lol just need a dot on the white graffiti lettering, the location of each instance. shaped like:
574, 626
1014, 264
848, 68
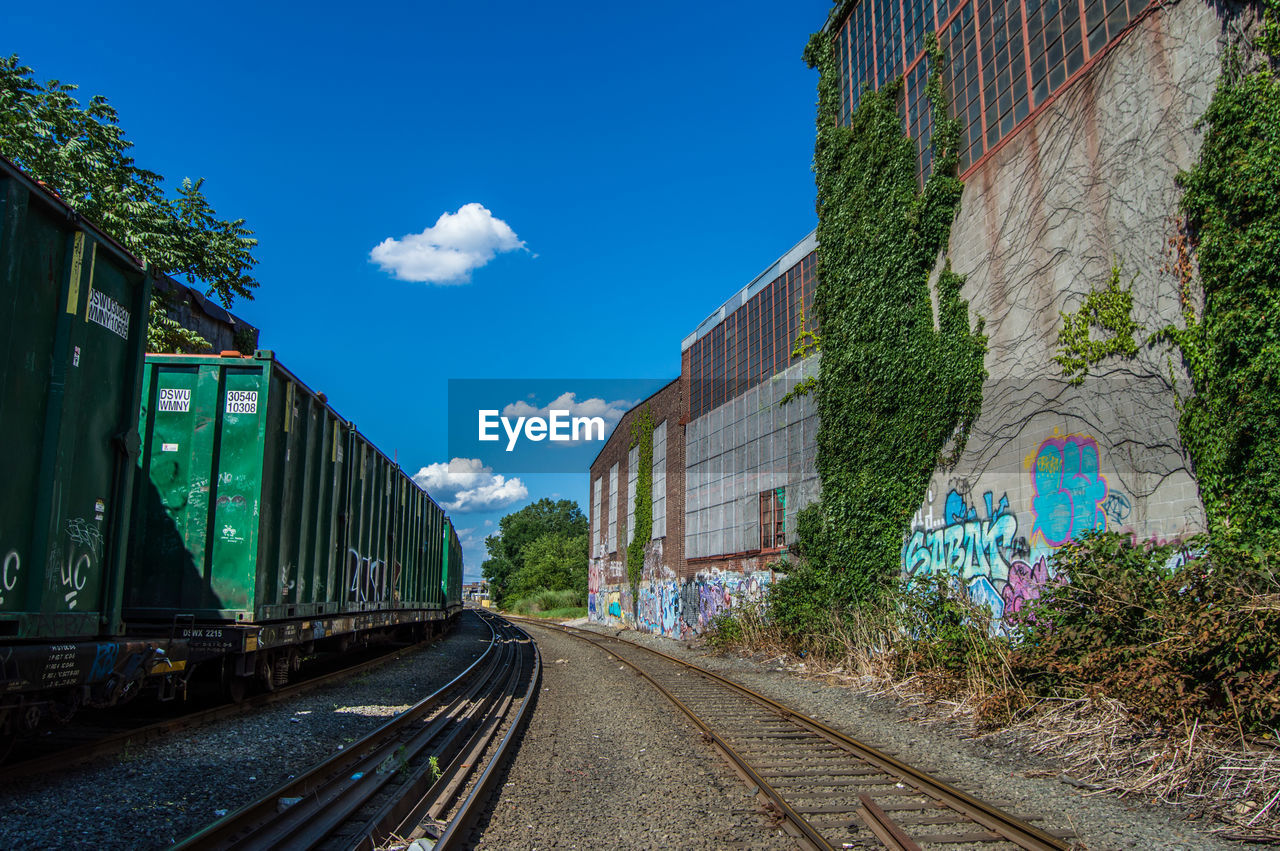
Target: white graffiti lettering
368, 578
9, 575
74, 576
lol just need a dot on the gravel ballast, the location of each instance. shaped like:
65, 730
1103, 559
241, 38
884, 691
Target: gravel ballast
607, 762
158, 793
997, 772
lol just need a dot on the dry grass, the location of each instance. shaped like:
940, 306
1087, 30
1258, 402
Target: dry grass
1098, 745
1212, 771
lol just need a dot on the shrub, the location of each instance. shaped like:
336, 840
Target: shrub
725, 630
1191, 628
799, 605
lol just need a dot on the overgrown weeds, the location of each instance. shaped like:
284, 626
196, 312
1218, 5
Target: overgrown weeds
568, 603
1151, 670
1192, 630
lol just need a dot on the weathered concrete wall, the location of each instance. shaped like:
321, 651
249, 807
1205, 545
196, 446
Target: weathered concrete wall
1089, 183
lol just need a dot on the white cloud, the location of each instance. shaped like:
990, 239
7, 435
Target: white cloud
449, 251
466, 484
610, 412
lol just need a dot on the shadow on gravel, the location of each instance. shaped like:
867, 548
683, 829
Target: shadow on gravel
502, 772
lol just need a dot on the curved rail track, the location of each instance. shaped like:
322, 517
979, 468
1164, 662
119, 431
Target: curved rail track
827, 789
416, 776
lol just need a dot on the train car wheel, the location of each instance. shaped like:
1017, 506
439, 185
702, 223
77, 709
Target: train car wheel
238, 689
266, 671
63, 709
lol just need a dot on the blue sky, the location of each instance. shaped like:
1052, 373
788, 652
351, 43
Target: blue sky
611, 173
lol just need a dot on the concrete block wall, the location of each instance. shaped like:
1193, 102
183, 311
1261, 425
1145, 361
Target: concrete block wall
1089, 183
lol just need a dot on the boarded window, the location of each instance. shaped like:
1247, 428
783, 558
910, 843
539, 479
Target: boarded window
772, 510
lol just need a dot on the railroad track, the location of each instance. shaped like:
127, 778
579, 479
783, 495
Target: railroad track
828, 790
89, 741
426, 773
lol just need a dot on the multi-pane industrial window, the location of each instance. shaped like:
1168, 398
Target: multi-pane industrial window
999, 67
633, 470
660, 480
758, 337
611, 546
773, 533
597, 503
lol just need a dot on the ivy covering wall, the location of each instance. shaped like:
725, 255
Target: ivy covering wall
896, 393
642, 439
1231, 427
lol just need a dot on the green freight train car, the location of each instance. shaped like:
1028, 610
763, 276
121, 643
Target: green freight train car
73, 309
451, 581
265, 524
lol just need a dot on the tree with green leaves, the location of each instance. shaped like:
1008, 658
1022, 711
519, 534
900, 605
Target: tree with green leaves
518, 530
552, 562
81, 153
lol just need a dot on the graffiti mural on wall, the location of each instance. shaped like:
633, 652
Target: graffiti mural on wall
1024, 584
658, 607
1069, 489
719, 591
985, 555
595, 572
964, 546
605, 603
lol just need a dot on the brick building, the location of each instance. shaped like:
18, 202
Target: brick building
614, 474
738, 463
750, 456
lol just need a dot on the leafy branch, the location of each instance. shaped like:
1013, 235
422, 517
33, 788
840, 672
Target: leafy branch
81, 153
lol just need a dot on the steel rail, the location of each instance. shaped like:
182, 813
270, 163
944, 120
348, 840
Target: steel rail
890, 834
986, 815
228, 830
429, 797
800, 826
334, 804
330, 805
470, 809
116, 742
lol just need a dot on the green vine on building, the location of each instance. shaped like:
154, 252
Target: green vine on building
1231, 426
808, 341
894, 391
642, 438
1110, 311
